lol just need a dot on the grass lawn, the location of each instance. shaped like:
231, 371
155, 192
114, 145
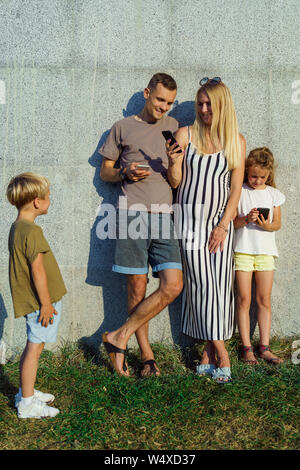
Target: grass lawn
175, 411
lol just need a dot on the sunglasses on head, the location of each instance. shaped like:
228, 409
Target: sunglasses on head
210, 81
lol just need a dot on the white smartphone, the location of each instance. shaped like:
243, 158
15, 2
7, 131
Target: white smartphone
143, 165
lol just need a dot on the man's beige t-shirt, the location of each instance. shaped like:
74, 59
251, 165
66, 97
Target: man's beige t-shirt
133, 140
26, 241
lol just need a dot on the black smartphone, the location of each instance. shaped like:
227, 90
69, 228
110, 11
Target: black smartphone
169, 136
264, 211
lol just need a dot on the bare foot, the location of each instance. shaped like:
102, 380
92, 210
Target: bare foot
209, 356
248, 356
224, 360
266, 354
149, 369
118, 359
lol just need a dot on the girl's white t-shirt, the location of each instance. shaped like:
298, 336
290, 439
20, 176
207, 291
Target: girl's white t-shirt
251, 238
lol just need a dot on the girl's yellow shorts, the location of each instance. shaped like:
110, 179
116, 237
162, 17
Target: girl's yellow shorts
245, 262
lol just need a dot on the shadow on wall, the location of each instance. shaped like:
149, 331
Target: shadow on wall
3, 316
6, 388
99, 273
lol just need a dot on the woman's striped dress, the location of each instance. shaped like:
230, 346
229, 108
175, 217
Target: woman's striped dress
208, 302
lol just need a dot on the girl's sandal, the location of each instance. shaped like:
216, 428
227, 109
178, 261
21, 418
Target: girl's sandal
271, 360
251, 362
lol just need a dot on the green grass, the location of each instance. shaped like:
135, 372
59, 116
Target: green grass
177, 410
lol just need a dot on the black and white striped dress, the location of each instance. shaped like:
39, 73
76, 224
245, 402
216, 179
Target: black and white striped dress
208, 302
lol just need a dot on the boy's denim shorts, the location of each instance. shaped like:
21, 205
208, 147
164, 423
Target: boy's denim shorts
36, 333
142, 239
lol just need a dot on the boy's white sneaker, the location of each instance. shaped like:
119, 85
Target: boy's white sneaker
36, 409
44, 397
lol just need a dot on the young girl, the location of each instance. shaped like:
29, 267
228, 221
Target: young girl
255, 249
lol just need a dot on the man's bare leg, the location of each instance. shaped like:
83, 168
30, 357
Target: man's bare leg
169, 288
137, 286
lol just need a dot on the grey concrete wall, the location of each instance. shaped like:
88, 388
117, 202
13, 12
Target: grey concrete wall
69, 69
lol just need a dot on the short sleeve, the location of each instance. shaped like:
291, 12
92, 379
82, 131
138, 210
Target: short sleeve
112, 147
35, 244
279, 198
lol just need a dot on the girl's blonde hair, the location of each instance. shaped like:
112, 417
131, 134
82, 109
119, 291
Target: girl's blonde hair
224, 127
262, 157
25, 187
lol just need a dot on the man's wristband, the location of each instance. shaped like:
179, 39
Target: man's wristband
122, 174
246, 220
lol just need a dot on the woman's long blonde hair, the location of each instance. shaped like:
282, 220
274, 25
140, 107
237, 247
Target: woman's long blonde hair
224, 127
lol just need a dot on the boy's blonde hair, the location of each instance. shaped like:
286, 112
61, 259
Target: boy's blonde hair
224, 125
263, 157
25, 187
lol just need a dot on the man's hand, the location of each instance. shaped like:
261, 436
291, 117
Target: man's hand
47, 313
133, 173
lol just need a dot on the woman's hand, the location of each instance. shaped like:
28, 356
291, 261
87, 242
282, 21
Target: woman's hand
174, 152
217, 239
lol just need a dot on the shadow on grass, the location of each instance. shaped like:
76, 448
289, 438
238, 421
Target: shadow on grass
7, 389
98, 356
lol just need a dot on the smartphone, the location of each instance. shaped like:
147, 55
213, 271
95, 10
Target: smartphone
264, 211
143, 166
169, 136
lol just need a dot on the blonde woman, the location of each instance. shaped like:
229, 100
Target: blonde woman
208, 169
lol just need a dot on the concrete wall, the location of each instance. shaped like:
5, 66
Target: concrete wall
70, 68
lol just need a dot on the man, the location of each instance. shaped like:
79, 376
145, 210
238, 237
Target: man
138, 140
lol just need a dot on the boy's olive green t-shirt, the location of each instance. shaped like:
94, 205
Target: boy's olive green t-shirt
26, 241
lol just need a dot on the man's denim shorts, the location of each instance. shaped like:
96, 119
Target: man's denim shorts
145, 238
36, 333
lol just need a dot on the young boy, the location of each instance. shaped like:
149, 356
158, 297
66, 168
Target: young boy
36, 287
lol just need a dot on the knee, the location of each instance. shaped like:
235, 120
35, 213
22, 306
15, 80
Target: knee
34, 350
263, 301
171, 290
244, 302
137, 290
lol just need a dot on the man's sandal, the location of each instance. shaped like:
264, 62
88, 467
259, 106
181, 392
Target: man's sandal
112, 350
251, 362
271, 360
153, 370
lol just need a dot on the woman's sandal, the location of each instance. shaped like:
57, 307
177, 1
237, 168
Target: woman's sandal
204, 370
112, 350
153, 370
222, 375
252, 362
271, 360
